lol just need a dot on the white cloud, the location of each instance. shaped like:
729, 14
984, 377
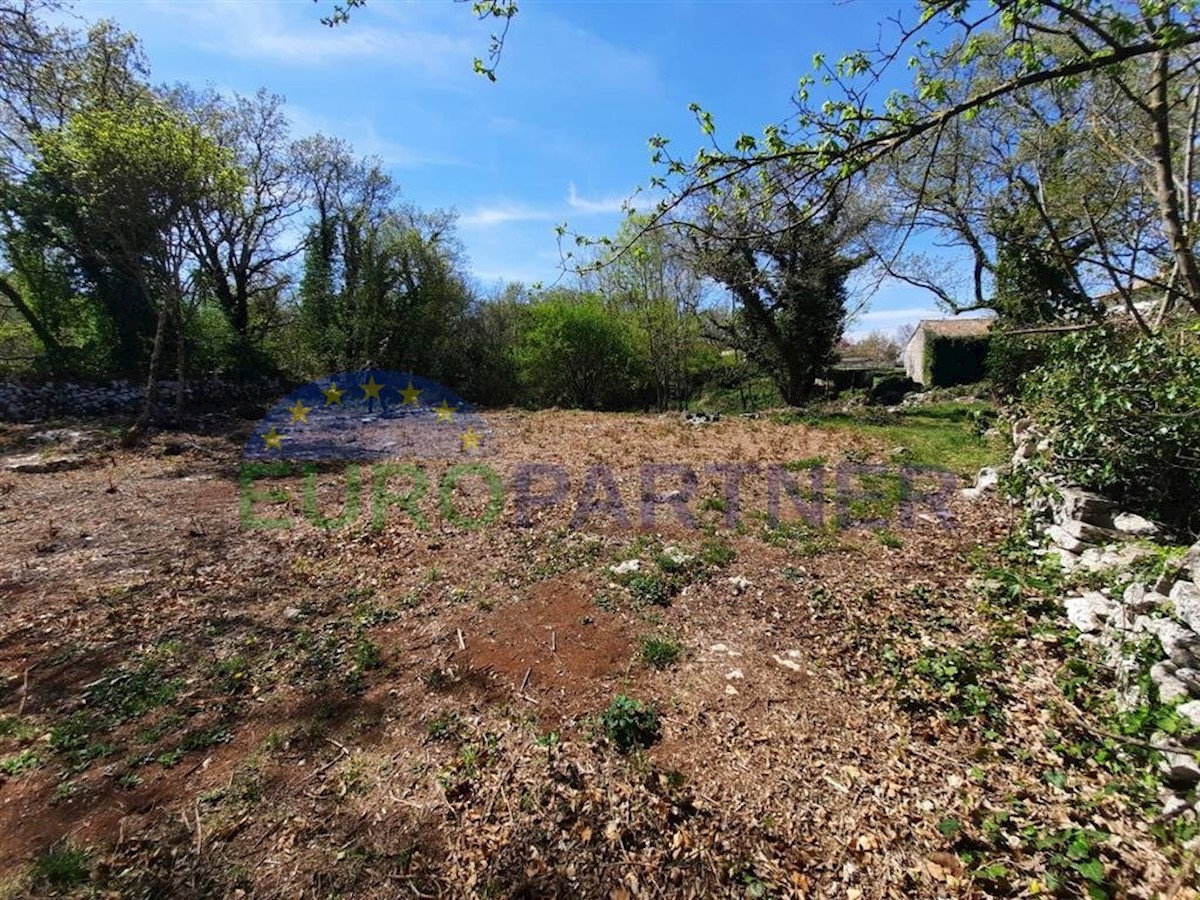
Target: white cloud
271, 32
488, 216
590, 207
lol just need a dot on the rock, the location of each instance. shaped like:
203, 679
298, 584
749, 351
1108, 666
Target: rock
1185, 601
1179, 768
1067, 559
1190, 678
1181, 645
1020, 430
677, 556
1163, 584
1174, 805
1090, 534
1191, 562
1170, 686
1098, 559
1076, 503
1134, 525
36, 464
1190, 711
291, 612
985, 481
1060, 537
625, 568
1088, 612
1134, 596
740, 583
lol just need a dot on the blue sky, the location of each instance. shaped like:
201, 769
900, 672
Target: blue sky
561, 137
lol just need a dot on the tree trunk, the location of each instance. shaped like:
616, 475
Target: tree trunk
1164, 177
149, 405
39, 327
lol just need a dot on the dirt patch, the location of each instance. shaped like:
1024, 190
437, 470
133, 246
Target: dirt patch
556, 647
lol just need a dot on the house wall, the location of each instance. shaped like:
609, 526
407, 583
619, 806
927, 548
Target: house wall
914, 356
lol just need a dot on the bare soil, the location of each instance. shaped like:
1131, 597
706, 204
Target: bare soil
217, 710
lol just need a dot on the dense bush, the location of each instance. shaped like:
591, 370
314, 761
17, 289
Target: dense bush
1123, 412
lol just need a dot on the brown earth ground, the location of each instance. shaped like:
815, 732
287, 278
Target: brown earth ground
214, 710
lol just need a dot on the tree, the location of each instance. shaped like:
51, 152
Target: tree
239, 245
788, 278
985, 60
381, 282
574, 352
876, 347
120, 185
655, 289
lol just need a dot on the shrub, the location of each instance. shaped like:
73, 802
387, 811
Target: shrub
629, 723
1122, 417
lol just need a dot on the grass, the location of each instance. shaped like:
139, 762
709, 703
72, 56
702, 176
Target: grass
63, 866
936, 436
660, 650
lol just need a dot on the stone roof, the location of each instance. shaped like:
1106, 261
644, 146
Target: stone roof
956, 327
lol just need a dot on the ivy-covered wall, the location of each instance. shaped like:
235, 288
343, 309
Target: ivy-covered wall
954, 360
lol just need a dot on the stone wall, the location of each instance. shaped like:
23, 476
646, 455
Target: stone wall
27, 402
1087, 533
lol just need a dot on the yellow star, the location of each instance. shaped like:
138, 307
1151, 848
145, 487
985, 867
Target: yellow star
300, 413
333, 397
411, 395
444, 412
371, 389
273, 439
470, 439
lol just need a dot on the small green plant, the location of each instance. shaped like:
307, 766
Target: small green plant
62, 866
629, 723
367, 655
716, 552
652, 590
13, 727
445, 727
889, 539
24, 761
660, 650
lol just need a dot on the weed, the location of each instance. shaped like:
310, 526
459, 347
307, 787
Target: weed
660, 650
649, 589
13, 727
889, 539
62, 866
24, 761
717, 553
445, 727
367, 655
629, 723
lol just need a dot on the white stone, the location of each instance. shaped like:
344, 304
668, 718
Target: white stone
1087, 612
1090, 534
630, 565
1060, 537
1190, 711
1135, 525
1134, 596
1170, 688
676, 555
1179, 768
1099, 559
1191, 562
1181, 645
1085, 506
740, 583
1190, 678
1185, 601
1174, 805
